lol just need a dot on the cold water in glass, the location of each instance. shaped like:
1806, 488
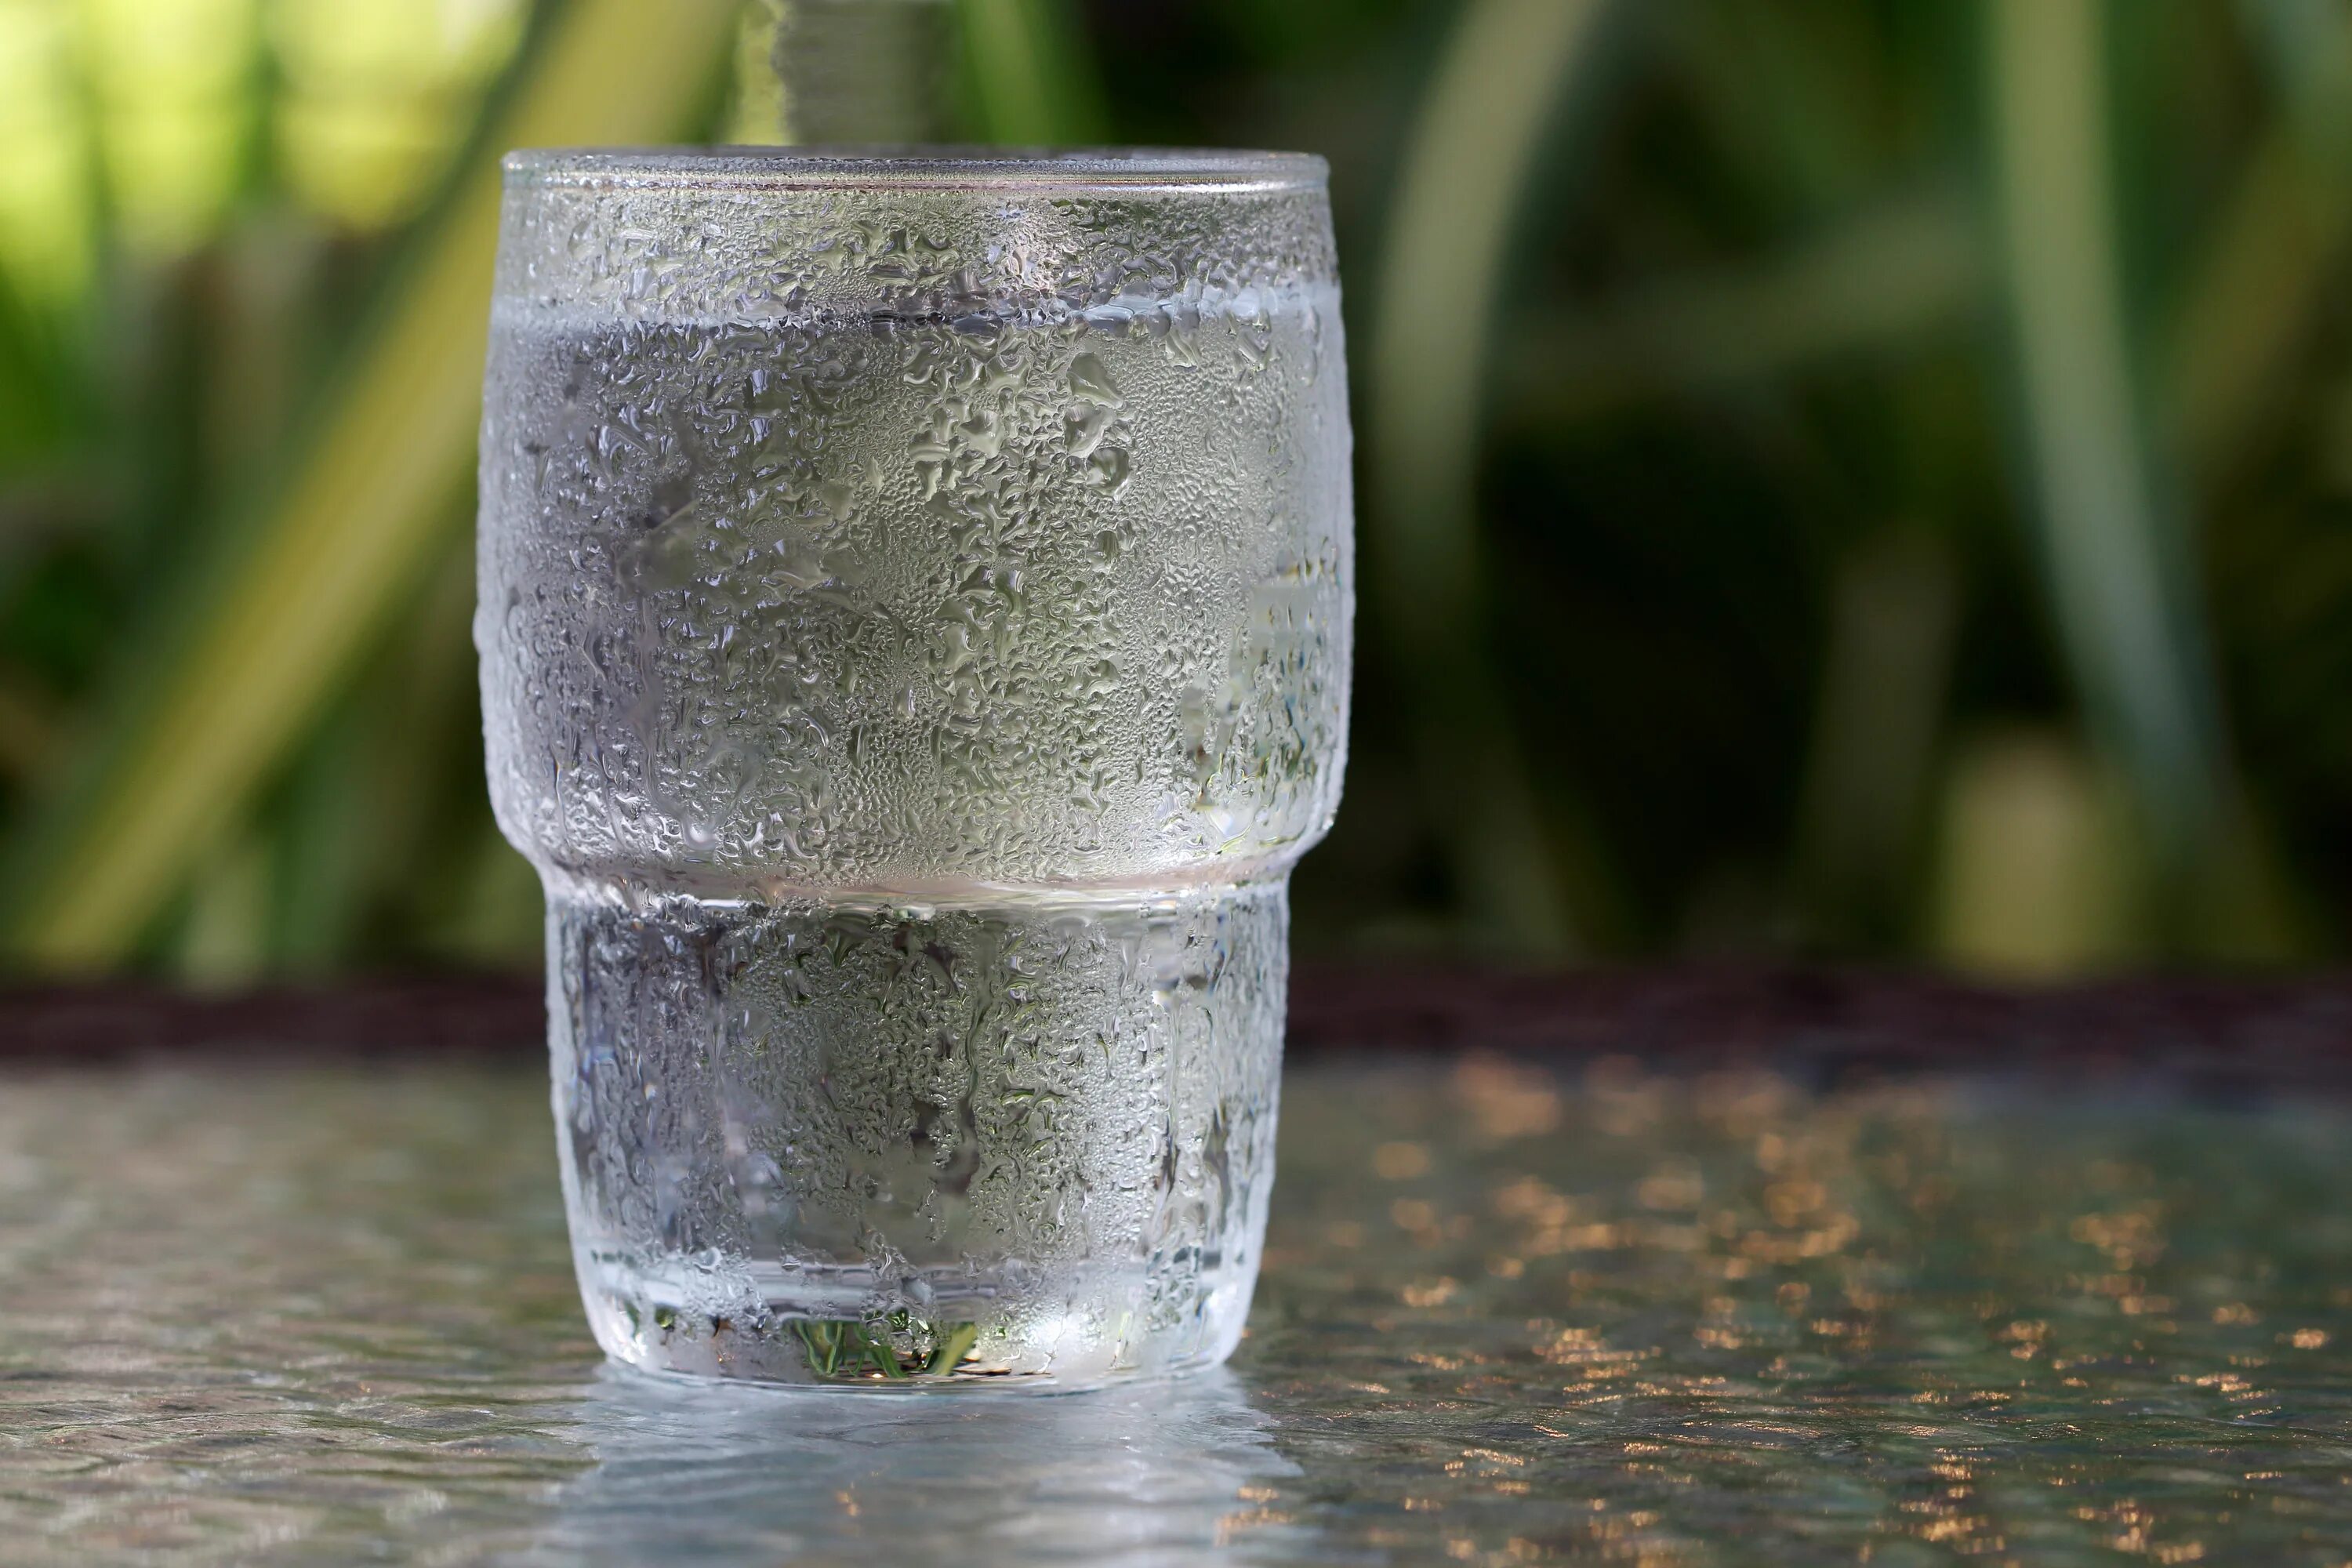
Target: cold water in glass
915, 600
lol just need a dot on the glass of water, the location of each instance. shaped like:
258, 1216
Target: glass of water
915, 607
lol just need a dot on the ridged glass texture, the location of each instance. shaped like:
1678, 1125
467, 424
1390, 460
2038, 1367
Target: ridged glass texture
914, 623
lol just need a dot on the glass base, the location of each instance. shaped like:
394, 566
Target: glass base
1102, 1333
886, 1146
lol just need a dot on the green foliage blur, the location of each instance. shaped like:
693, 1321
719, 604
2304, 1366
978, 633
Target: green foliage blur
1843, 477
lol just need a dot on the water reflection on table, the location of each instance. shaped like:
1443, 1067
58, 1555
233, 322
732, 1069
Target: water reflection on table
719, 1473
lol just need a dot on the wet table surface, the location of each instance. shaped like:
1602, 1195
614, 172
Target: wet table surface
268, 1311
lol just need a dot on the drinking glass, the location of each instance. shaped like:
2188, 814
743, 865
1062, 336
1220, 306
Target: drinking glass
914, 616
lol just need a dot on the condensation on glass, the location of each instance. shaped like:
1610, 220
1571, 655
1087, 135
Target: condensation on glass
914, 628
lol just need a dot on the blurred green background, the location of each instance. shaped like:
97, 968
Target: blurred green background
1845, 478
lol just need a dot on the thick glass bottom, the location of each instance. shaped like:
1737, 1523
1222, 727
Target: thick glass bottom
1023, 1142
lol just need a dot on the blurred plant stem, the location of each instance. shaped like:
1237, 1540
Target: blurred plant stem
1033, 80
1444, 280
225, 942
2115, 566
1893, 613
249, 656
2271, 265
849, 71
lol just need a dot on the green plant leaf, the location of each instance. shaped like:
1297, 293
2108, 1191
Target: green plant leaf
2267, 272
2117, 570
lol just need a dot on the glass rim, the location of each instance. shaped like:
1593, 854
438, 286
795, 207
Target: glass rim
1078, 170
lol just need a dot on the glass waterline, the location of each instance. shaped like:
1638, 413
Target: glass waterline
915, 617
